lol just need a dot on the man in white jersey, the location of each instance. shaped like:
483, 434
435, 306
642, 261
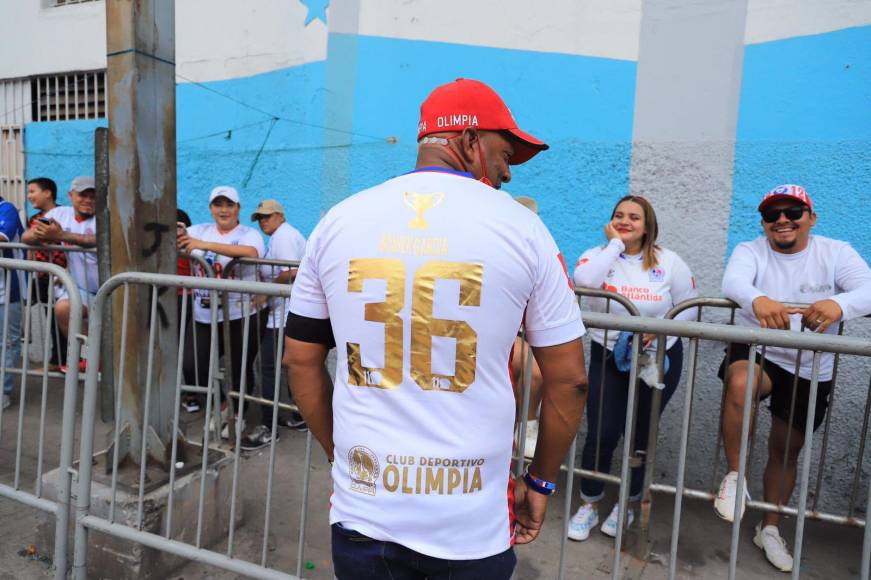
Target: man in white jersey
786, 265
422, 282
73, 225
285, 243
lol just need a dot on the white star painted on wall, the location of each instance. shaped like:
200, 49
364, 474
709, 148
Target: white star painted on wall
316, 9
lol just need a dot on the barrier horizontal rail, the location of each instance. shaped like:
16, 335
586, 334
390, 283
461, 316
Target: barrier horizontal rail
60, 508
728, 333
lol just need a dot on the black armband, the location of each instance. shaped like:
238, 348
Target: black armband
305, 329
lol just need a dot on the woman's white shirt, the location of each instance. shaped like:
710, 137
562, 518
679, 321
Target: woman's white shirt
654, 291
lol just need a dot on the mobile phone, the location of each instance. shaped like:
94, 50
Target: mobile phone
43, 220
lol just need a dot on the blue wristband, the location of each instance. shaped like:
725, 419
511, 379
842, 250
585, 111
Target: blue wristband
539, 485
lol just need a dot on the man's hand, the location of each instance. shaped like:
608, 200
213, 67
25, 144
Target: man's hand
821, 314
47, 232
529, 509
773, 314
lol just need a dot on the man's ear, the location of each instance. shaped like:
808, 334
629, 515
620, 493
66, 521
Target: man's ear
468, 142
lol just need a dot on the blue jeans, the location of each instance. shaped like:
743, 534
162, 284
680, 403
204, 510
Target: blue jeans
13, 343
359, 557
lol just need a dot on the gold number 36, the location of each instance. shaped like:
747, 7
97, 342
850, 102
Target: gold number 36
423, 325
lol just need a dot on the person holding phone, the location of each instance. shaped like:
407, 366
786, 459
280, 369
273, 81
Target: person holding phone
218, 243
42, 195
654, 279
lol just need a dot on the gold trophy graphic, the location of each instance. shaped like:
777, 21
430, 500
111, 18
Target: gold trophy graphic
421, 203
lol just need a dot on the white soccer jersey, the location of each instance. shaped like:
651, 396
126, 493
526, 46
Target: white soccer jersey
652, 291
825, 269
425, 280
82, 265
241, 235
286, 243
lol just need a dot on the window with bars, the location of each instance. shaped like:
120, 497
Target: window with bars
68, 96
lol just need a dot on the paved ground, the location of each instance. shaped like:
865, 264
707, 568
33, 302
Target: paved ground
830, 551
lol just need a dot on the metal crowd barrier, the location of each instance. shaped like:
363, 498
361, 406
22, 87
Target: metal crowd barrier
47, 307
16, 491
169, 539
267, 270
747, 446
756, 338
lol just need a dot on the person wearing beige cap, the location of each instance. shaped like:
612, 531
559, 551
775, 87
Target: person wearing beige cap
218, 243
72, 225
285, 243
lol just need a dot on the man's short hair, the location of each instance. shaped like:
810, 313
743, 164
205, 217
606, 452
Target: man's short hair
44, 183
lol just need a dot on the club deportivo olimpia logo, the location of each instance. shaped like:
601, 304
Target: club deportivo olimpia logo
363, 469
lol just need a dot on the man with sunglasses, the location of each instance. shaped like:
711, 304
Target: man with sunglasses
786, 265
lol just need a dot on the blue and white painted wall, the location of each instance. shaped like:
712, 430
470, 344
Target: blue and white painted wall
701, 106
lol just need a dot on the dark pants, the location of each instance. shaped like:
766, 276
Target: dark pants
358, 557
201, 353
268, 351
58, 342
613, 395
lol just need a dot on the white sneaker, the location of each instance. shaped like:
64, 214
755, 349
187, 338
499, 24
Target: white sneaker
769, 540
586, 518
531, 438
609, 528
724, 504
7, 401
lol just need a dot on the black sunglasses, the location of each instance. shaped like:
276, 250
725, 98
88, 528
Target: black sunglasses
770, 216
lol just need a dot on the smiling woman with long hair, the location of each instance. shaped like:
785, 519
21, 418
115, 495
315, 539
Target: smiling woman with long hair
654, 279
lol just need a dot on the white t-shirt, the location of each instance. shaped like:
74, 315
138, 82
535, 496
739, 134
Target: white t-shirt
286, 243
241, 235
82, 265
825, 269
654, 292
425, 279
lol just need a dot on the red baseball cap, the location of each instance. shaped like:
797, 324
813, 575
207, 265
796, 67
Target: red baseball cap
470, 103
786, 191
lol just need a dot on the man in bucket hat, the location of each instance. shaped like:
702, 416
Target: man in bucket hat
422, 283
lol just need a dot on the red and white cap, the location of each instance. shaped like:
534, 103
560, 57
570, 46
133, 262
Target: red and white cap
470, 103
786, 191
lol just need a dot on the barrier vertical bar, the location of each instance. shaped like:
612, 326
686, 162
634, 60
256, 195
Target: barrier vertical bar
213, 364
240, 412
117, 434
143, 457
860, 459
682, 458
742, 461
278, 349
305, 488
175, 428
628, 443
806, 465
567, 507
23, 376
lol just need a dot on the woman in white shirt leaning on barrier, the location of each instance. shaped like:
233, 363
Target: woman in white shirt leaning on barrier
654, 279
